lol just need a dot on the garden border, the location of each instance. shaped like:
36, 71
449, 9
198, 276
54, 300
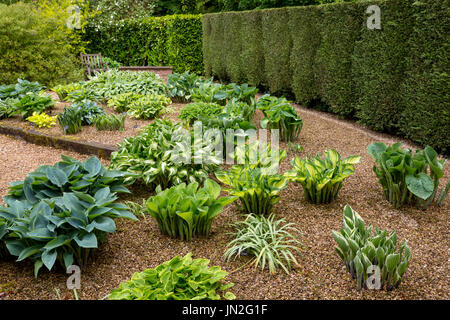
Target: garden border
100, 150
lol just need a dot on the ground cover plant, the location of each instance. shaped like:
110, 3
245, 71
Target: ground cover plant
322, 177
63, 90
186, 211
198, 110
156, 158
270, 242
70, 120
148, 106
83, 94
120, 102
407, 177
42, 120
362, 248
32, 102
181, 84
110, 122
89, 110
19, 89
181, 278
60, 213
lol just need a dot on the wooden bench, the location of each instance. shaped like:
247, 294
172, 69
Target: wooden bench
93, 63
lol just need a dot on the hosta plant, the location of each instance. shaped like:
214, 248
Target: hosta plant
20, 89
59, 213
32, 102
42, 120
121, 102
180, 85
178, 279
82, 95
371, 254
7, 109
279, 114
89, 111
185, 211
70, 120
269, 242
322, 178
197, 110
407, 177
211, 92
235, 107
110, 122
243, 93
255, 183
156, 155
148, 106
63, 90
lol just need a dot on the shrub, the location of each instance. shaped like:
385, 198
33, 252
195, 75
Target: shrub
270, 242
407, 177
32, 48
31, 103
59, 213
110, 122
279, 114
197, 110
70, 120
185, 211
120, 102
154, 155
148, 106
42, 120
322, 179
362, 250
178, 279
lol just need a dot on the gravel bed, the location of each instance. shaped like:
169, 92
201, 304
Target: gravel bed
320, 275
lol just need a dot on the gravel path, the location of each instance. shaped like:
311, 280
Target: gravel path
321, 275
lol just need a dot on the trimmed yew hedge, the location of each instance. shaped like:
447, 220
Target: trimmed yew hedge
394, 80
174, 40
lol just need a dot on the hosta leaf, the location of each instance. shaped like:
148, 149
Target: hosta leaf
48, 258
57, 176
420, 185
105, 224
88, 240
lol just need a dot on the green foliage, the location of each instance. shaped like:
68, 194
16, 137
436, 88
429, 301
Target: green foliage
361, 249
198, 110
236, 108
120, 102
211, 92
114, 82
110, 122
63, 90
163, 154
32, 102
83, 94
20, 89
42, 120
31, 48
70, 120
6, 109
59, 213
279, 114
113, 64
322, 179
407, 177
181, 84
89, 111
393, 79
148, 106
178, 279
155, 41
187, 211
270, 242
255, 182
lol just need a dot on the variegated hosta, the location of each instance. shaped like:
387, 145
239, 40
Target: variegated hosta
322, 179
184, 211
166, 154
371, 254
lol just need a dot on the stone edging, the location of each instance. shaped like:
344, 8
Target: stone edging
60, 142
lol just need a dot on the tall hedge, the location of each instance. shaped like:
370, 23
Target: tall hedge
394, 79
165, 41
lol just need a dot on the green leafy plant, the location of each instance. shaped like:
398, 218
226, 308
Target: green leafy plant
70, 120
279, 114
181, 84
156, 155
89, 111
235, 107
60, 213
121, 102
211, 92
255, 182
407, 177
32, 102
270, 242
113, 64
42, 120
361, 250
178, 279
148, 106
20, 89
82, 95
7, 109
63, 90
185, 211
197, 110
243, 93
322, 178
110, 122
